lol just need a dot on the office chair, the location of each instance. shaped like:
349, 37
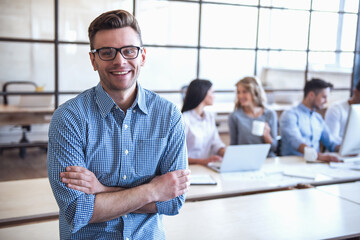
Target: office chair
19, 86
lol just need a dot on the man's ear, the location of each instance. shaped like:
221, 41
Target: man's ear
311, 95
143, 57
92, 59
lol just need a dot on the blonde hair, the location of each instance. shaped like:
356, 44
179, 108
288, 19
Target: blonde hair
253, 85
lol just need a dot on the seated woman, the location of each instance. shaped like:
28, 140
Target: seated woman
250, 110
202, 138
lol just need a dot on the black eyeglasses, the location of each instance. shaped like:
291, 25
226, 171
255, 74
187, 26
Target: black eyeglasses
109, 53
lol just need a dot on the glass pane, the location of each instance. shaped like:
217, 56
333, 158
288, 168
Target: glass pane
323, 38
163, 23
351, 6
76, 16
168, 68
332, 62
225, 67
275, 31
348, 35
75, 70
27, 19
326, 5
340, 78
27, 62
281, 70
245, 2
303, 4
218, 28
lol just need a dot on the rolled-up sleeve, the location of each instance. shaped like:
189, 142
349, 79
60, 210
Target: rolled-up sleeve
175, 158
66, 149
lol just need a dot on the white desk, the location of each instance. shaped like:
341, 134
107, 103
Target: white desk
236, 184
295, 214
39, 231
26, 200
348, 191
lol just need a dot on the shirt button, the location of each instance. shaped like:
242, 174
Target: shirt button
126, 152
134, 111
126, 126
124, 177
127, 238
125, 216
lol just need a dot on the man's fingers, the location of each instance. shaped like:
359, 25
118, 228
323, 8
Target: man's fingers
184, 179
75, 187
184, 172
74, 175
76, 182
78, 169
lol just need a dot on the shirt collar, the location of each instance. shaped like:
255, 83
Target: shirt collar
305, 109
140, 99
197, 116
106, 103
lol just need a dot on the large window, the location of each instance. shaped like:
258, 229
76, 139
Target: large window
284, 43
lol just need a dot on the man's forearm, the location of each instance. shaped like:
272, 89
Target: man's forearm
110, 205
162, 188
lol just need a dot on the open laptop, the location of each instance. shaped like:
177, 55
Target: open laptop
36, 101
249, 157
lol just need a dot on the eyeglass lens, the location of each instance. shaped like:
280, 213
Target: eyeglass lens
126, 52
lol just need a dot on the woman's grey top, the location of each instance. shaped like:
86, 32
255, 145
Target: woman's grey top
240, 126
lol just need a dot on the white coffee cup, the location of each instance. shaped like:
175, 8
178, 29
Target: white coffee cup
258, 128
310, 154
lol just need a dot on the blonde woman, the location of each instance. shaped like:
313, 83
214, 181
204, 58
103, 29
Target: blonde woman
250, 110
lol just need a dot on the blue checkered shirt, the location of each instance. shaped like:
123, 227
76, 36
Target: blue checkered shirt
121, 150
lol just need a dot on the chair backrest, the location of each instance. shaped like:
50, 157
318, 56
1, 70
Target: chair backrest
17, 86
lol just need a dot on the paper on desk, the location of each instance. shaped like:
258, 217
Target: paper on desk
346, 165
202, 179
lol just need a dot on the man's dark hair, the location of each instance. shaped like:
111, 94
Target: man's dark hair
112, 20
195, 93
316, 85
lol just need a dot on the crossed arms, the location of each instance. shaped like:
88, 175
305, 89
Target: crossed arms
139, 199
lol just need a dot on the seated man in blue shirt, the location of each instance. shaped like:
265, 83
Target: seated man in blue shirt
302, 126
126, 140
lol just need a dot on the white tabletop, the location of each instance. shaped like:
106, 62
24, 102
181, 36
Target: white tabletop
349, 191
294, 214
277, 174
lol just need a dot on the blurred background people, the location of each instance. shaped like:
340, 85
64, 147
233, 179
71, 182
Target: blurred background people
302, 127
337, 114
251, 122
202, 138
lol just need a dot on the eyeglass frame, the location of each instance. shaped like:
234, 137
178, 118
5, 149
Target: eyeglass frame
93, 51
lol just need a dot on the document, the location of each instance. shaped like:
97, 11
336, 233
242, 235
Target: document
202, 179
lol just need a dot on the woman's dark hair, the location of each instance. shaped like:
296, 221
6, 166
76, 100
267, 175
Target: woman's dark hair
195, 93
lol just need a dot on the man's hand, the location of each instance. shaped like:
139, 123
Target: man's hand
327, 157
82, 179
170, 185
213, 158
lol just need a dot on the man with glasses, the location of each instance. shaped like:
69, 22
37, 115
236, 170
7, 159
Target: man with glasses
117, 156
